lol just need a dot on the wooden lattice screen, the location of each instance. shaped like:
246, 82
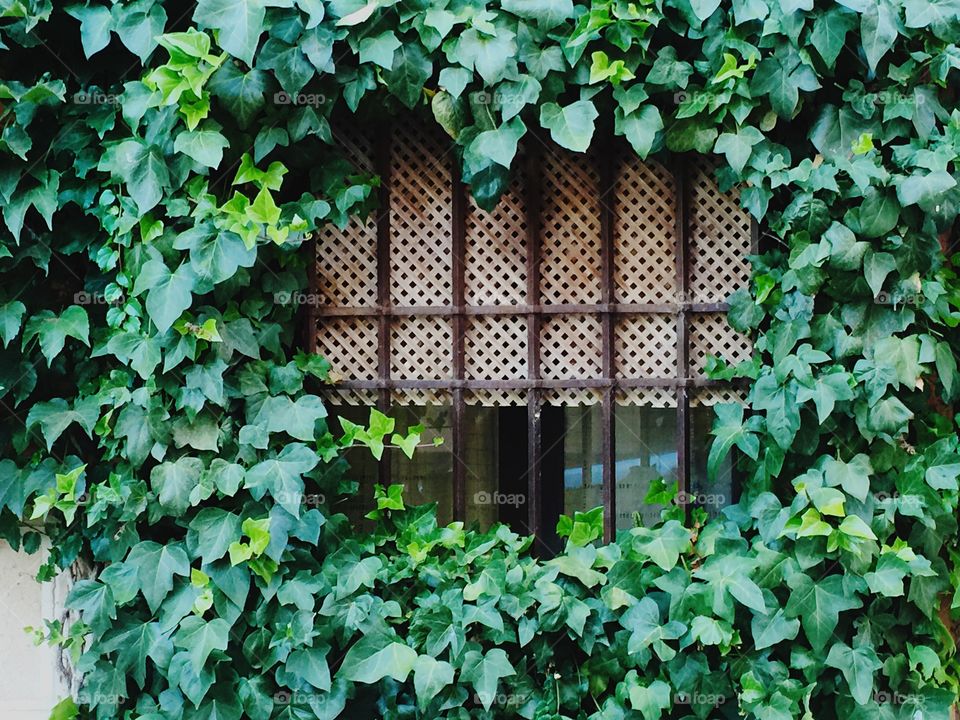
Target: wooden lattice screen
597, 278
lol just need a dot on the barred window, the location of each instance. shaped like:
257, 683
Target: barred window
556, 343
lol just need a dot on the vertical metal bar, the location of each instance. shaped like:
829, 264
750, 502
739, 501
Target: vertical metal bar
533, 210
458, 260
382, 161
682, 232
607, 175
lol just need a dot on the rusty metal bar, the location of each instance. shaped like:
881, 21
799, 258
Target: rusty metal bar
558, 309
382, 162
533, 190
607, 175
682, 232
458, 260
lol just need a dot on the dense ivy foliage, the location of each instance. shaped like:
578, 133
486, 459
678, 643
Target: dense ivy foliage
161, 164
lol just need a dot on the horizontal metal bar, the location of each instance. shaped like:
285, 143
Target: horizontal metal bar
559, 309
521, 384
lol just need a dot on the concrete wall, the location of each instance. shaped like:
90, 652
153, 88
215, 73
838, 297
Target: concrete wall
30, 683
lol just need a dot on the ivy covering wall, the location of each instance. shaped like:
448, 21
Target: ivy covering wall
162, 164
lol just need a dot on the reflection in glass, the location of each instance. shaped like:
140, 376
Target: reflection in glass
711, 496
582, 460
646, 448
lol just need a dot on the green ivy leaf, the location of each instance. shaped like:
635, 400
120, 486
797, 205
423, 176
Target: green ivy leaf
572, 126
239, 24
374, 657
430, 676
858, 666
484, 671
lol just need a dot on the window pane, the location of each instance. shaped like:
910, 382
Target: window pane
427, 478
481, 458
582, 460
646, 448
711, 496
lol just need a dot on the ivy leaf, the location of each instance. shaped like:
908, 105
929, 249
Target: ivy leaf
242, 93
311, 665
878, 30
858, 666
818, 604
239, 24
780, 404
547, 14
55, 416
374, 657
827, 391
216, 529
876, 267
143, 169
925, 190
11, 316
887, 578
174, 481
737, 147
646, 630
664, 545
95, 601
53, 330
379, 49
412, 68
651, 700
888, 416
499, 145
730, 430
769, 630
853, 477
95, 25
156, 567
204, 146
640, 127
282, 476
572, 126
168, 293
200, 638
879, 213
491, 56
430, 676
729, 575
830, 33
484, 671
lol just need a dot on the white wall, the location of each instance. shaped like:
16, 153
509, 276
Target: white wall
29, 681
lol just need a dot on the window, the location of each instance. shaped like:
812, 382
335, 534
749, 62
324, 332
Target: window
557, 343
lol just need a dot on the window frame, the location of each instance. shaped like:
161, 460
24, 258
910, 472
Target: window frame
602, 154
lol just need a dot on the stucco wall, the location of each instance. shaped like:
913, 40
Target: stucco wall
29, 680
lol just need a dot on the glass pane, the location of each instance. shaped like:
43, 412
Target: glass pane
482, 459
429, 476
426, 478
711, 496
582, 459
646, 448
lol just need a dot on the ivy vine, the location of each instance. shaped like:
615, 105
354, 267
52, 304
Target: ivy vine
162, 164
